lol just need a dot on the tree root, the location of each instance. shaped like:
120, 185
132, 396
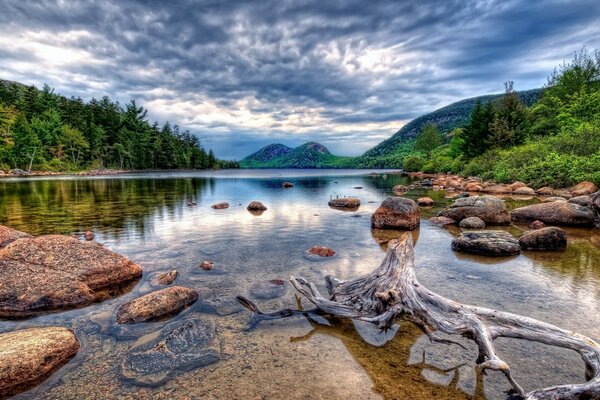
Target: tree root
391, 293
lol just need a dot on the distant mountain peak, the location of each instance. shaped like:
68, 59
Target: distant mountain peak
315, 146
308, 155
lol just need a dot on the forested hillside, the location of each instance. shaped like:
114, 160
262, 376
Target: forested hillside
391, 152
554, 142
43, 130
308, 155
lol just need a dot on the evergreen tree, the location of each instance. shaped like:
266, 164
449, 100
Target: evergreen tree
510, 124
475, 135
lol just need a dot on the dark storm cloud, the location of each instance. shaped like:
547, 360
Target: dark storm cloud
241, 74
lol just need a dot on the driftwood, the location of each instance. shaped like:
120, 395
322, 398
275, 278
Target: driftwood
392, 293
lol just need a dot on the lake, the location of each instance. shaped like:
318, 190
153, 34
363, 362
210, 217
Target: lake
146, 217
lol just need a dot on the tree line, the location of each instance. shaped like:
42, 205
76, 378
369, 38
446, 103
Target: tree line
43, 130
556, 141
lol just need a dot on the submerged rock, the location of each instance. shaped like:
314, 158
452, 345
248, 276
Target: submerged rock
322, 251
266, 290
472, 223
399, 189
557, 212
54, 271
550, 238
167, 278
29, 356
536, 224
181, 346
345, 202
207, 265
487, 243
489, 209
397, 213
287, 184
164, 302
220, 206
8, 235
89, 235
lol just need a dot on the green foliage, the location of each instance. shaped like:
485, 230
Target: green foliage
40, 128
428, 139
414, 163
510, 123
309, 155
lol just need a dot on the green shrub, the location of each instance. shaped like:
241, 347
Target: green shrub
413, 163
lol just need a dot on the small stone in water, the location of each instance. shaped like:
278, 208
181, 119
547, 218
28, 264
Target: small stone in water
89, 235
322, 251
207, 265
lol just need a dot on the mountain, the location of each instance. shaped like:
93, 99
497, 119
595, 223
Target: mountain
308, 155
446, 118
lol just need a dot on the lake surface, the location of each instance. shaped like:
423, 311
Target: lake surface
146, 217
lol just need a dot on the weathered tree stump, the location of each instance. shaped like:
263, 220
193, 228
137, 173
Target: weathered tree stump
392, 293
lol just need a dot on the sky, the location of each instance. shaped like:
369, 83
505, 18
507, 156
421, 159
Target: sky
243, 74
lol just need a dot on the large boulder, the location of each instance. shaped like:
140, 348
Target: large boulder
397, 213
54, 271
489, 209
157, 304
8, 235
181, 346
487, 243
516, 185
550, 238
583, 188
473, 187
29, 356
497, 189
545, 191
555, 213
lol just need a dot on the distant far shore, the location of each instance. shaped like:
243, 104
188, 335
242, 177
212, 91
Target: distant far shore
92, 172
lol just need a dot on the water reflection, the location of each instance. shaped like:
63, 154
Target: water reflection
148, 220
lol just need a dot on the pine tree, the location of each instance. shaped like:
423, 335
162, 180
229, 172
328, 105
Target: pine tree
429, 139
476, 133
511, 121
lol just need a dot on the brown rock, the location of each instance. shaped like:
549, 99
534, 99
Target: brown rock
441, 221
553, 199
345, 202
29, 356
256, 206
550, 238
322, 251
167, 278
399, 189
287, 184
207, 265
489, 209
556, 213
585, 200
583, 188
397, 213
425, 202
524, 190
156, 304
89, 235
536, 224
8, 235
53, 271
496, 189
517, 185
545, 191
473, 187
220, 206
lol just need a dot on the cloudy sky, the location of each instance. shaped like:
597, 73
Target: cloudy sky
242, 74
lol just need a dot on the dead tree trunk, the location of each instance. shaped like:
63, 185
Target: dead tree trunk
392, 293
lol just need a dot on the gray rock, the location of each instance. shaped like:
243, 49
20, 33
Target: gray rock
487, 243
472, 223
584, 200
550, 238
181, 346
489, 209
556, 213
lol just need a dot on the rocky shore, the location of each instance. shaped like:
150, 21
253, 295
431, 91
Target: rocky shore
14, 173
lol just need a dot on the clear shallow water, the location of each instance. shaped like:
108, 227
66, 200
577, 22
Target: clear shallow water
146, 218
